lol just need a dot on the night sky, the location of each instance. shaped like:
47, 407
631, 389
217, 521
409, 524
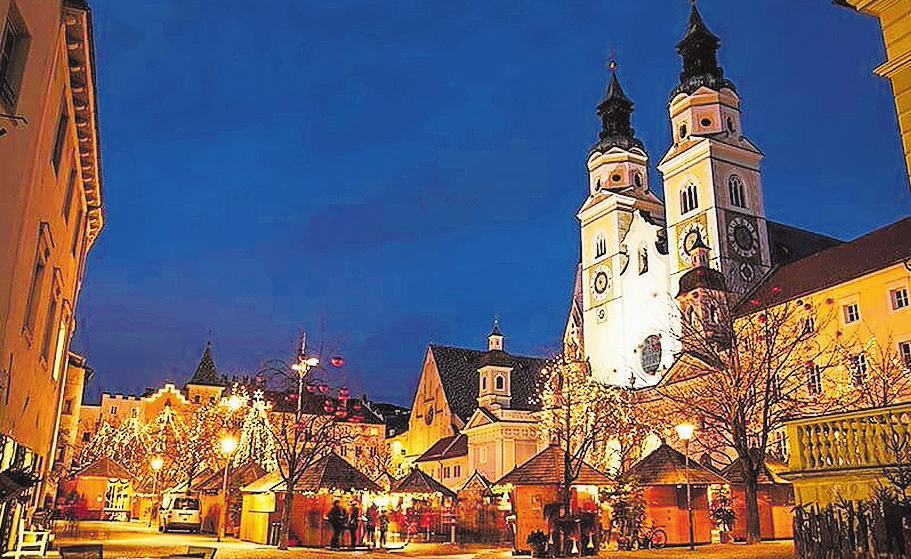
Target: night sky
387, 174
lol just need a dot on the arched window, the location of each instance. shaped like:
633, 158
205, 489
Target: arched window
600, 246
713, 314
637, 179
730, 124
499, 383
691, 316
682, 131
484, 382
735, 190
643, 259
689, 201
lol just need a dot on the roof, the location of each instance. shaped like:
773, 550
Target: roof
769, 474
874, 251
699, 47
458, 369
420, 482
701, 277
105, 467
546, 468
696, 29
214, 481
477, 478
331, 472
666, 466
206, 373
314, 403
447, 447
788, 243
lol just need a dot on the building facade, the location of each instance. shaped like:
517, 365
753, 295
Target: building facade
50, 216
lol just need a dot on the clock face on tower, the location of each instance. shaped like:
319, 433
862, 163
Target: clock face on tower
690, 236
742, 237
600, 282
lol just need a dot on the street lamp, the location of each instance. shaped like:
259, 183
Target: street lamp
685, 432
228, 446
156, 464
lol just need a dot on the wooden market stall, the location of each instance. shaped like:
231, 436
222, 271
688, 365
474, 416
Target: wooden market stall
330, 478
211, 498
421, 505
534, 488
105, 487
663, 476
775, 496
480, 514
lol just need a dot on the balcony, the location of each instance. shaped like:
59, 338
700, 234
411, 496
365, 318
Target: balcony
844, 454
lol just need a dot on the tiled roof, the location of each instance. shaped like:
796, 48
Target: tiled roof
788, 243
447, 447
315, 404
546, 468
458, 368
871, 252
105, 467
420, 482
666, 466
477, 479
769, 473
331, 472
206, 373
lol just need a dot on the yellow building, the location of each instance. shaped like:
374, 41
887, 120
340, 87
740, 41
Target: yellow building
50, 215
895, 20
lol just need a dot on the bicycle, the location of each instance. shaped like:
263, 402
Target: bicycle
655, 538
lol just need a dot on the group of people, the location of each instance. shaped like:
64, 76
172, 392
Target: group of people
350, 521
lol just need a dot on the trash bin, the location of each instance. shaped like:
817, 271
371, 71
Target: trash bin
274, 529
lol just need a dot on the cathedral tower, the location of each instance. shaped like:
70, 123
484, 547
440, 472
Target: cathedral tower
622, 269
712, 182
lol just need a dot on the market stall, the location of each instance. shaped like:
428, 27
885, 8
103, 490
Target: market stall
105, 487
420, 506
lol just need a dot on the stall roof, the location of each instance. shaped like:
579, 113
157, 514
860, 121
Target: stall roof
666, 466
420, 482
105, 467
770, 473
331, 472
215, 480
546, 468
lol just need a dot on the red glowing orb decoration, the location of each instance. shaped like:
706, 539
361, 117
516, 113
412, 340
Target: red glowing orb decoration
807, 307
343, 393
327, 405
311, 388
755, 301
829, 301
776, 288
337, 361
762, 318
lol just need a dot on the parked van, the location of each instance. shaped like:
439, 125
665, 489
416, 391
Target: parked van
180, 512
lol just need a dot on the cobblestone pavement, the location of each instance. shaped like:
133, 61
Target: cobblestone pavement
133, 539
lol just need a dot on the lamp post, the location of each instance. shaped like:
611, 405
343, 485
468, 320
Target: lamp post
685, 432
156, 464
228, 446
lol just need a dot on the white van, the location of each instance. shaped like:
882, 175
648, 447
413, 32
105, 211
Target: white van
179, 511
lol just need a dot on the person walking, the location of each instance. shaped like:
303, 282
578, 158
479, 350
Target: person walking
354, 517
383, 523
336, 519
370, 529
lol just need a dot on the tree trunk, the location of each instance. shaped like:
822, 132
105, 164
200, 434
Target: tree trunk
285, 529
750, 491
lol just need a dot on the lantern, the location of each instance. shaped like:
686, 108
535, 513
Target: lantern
337, 361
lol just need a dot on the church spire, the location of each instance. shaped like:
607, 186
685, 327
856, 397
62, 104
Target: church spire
615, 110
699, 50
206, 373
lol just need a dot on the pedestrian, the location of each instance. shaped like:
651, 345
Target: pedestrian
372, 512
353, 521
384, 525
336, 519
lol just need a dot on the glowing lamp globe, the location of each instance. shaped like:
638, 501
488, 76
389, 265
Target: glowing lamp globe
157, 463
685, 431
228, 445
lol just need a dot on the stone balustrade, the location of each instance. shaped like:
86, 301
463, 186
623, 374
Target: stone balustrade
871, 438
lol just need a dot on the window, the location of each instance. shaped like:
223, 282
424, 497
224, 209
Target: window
730, 122
196, 399
49, 329
814, 379
808, 326
637, 179
483, 382
682, 131
86, 436
62, 125
68, 407
713, 314
643, 260
689, 201
446, 471
600, 246
13, 52
34, 294
735, 191
899, 298
499, 383
904, 348
705, 122
70, 194
482, 455
78, 231
113, 410
358, 450
858, 369
457, 471
343, 451
851, 313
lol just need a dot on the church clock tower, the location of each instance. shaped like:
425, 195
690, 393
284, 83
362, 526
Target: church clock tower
712, 182
622, 238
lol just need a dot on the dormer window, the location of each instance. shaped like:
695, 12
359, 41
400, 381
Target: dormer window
600, 246
689, 201
499, 383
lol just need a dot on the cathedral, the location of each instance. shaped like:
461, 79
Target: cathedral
635, 246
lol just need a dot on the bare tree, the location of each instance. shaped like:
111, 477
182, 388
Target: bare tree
878, 371
305, 421
741, 376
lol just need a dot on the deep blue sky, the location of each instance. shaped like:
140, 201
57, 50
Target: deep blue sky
384, 174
